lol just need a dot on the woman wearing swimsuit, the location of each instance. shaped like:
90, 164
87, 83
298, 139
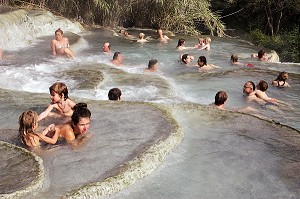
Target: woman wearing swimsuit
60, 45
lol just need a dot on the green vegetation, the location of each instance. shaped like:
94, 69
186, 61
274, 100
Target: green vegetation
274, 24
179, 16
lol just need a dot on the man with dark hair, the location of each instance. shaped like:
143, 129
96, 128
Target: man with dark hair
152, 66
117, 59
114, 94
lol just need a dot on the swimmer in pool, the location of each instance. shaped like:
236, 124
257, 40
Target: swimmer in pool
262, 87
141, 38
75, 132
117, 59
114, 94
59, 101
204, 66
180, 46
220, 99
106, 48
281, 80
152, 66
28, 122
161, 37
207, 42
60, 45
186, 59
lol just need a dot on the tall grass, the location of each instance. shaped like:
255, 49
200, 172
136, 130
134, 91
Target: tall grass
179, 16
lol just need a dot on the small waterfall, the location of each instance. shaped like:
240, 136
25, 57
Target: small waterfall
21, 28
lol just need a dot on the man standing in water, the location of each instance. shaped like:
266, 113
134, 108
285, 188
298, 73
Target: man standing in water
60, 45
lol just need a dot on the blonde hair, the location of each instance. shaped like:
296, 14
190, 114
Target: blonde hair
141, 35
28, 121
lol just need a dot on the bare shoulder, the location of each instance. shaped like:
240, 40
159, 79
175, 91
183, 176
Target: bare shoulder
67, 132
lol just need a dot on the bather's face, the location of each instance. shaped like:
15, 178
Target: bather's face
58, 36
82, 126
248, 88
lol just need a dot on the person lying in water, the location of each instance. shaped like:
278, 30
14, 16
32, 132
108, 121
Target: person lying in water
60, 45
59, 101
28, 123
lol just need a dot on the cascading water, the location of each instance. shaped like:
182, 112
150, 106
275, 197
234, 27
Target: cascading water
223, 153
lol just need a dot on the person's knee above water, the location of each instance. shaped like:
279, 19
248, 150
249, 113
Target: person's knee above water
60, 45
114, 94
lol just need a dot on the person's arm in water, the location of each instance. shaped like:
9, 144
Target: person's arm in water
53, 43
46, 112
50, 140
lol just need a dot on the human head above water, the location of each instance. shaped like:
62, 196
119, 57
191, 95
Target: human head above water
220, 98
60, 31
106, 47
114, 94
116, 55
141, 35
234, 58
283, 76
152, 64
261, 54
59, 88
180, 42
186, 58
202, 61
249, 87
262, 85
80, 111
28, 121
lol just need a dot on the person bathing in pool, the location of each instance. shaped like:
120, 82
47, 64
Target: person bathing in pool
220, 99
281, 80
28, 123
75, 132
204, 66
59, 101
60, 45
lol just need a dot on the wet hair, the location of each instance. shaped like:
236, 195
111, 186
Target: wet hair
200, 38
234, 58
59, 88
262, 85
180, 42
207, 39
203, 59
59, 30
116, 54
184, 57
260, 54
27, 121
141, 35
220, 98
252, 83
152, 62
80, 111
114, 94
281, 77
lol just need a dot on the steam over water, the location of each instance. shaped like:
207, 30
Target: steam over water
224, 154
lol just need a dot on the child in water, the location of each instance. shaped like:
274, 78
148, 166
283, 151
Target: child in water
59, 100
280, 81
28, 122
